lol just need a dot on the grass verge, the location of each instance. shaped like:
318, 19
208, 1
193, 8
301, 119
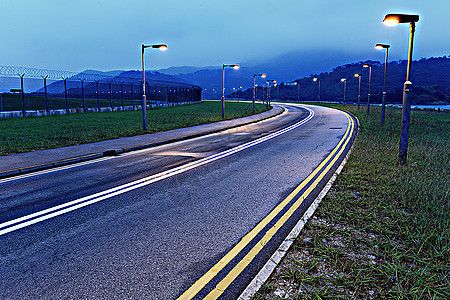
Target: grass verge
382, 231
29, 134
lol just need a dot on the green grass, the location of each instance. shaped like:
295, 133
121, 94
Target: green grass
29, 134
383, 230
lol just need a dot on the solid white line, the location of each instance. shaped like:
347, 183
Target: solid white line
84, 201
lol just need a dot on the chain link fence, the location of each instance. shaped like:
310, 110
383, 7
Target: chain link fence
23, 89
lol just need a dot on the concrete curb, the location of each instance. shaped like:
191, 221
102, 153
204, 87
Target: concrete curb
19, 171
276, 258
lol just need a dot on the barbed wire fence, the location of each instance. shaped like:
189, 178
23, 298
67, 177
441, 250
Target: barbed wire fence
39, 89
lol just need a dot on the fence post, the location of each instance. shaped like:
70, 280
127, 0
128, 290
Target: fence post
121, 91
98, 95
21, 88
132, 104
82, 92
45, 93
65, 91
110, 95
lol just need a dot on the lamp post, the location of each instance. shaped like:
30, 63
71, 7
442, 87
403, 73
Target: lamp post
370, 77
318, 96
383, 99
298, 90
359, 87
254, 88
144, 98
236, 67
393, 19
268, 91
345, 86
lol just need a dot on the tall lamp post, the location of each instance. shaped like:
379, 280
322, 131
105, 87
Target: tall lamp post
254, 87
383, 99
359, 87
370, 77
144, 98
268, 90
298, 90
236, 67
318, 80
393, 19
345, 86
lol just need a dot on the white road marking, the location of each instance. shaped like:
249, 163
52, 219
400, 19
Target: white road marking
52, 212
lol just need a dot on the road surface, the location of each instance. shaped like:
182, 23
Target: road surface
192, 219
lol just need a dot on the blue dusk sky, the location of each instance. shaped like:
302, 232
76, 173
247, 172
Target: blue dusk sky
76, 35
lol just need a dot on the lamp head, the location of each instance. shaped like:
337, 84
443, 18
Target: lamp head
343, 79
315, 79
162, 47
394, 19
236, 67
366, 65
263, 75
357, 75
382, 46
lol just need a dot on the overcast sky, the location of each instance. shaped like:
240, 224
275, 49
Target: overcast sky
76, 35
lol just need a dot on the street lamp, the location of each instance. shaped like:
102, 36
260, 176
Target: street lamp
370, 77
144, 98
345, 86
254, 88
236, 67
393, 19
268, 90
383, 99
317, 79
359, 87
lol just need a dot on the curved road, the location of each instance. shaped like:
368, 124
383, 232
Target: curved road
193, 219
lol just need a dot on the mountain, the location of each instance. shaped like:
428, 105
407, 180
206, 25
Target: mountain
174, 71
430, 78
285, 67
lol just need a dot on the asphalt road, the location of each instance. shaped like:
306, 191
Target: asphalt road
150, 225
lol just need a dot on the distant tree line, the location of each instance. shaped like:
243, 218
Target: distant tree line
430, 78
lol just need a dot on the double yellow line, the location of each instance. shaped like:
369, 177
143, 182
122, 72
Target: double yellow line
242, 264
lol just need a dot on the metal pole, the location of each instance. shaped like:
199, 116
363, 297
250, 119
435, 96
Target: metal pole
98, 96
318, 99
110, 94
21, 88
65, 91
345, 87
383, 99
298, 91
45, 93
82, 92
254, 93
368, 95
359, 90
144, 99
121, 92
132, 104
406, 105
223, 91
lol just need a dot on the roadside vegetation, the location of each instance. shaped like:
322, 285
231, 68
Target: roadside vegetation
383, 230
29, 134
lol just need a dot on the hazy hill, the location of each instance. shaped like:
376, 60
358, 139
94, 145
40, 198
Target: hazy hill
430, 78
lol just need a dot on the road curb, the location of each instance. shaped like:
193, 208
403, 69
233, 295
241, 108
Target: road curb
278, 255
113, 152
